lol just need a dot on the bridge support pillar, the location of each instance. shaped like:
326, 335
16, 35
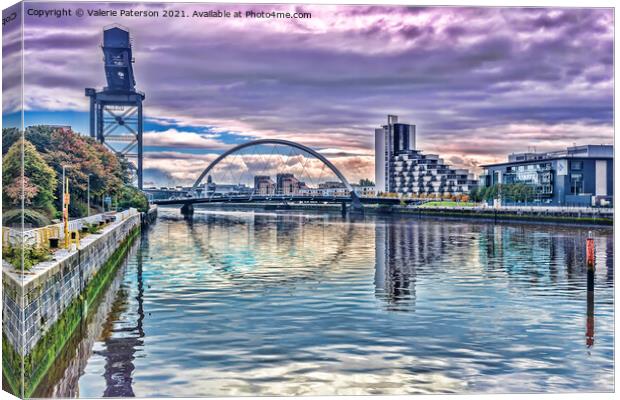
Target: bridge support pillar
343, 208
356, 204
187, 209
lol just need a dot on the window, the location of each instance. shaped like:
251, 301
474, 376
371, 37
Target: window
576, 184
576, 165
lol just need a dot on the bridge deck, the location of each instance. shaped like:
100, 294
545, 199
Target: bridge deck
281, 199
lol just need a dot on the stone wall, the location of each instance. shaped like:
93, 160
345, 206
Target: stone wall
56, 295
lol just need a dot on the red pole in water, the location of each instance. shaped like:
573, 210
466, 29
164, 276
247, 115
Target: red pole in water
590, 251
590, 291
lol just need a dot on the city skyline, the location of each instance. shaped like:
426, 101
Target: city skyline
509, 78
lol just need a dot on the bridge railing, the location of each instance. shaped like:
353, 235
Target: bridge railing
38, 237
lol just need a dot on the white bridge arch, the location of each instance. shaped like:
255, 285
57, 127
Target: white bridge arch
354, 197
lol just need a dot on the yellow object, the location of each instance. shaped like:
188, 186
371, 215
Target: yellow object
65, 213
75, 240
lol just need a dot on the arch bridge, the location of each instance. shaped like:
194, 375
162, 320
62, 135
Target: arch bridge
353, 199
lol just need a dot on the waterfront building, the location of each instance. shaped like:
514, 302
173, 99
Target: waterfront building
263, 185
331, 185
577, 176
286, 183
329, 189
401, 168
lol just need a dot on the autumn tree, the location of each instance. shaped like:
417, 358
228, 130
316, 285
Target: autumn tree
35, 182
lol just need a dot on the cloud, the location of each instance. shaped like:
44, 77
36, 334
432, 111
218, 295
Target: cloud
184, 168
468, 77
183, 140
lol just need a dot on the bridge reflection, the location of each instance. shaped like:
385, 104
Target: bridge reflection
395, 264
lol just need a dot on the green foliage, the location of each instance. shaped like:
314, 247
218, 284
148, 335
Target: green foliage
78, 208
366, 182
40, 136
37, 172
476, 194
132, 197
93, 228
517, 192
47, 349
32, 256
9, 137
32, 218
85, 160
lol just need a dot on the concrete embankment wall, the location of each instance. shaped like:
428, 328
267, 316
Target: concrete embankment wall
55, 298
567, 215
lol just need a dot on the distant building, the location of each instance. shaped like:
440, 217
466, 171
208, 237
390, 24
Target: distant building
577, 176
400, 168
287, 184
331, 185
212, 188
331, 189
263, 185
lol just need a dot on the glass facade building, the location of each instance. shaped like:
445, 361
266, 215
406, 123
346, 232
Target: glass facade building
577, 176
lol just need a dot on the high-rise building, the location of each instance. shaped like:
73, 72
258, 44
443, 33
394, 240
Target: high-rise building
389, 140
401, 168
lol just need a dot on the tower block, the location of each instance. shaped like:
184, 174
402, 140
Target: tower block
116, 111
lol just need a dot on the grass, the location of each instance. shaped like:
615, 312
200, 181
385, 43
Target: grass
447, 203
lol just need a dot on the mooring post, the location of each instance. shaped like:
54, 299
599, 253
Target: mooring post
590, 251
590, 261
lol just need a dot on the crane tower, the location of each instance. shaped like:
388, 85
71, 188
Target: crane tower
116, 110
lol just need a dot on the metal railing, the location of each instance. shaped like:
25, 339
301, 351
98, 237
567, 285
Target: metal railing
39, 237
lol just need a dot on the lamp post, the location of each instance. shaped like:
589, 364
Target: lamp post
88, 196
65, 205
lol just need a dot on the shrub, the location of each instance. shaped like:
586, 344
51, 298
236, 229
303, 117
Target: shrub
32, 256
132, 197
31, 218
94, 228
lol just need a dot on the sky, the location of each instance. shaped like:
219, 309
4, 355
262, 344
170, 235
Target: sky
479, 83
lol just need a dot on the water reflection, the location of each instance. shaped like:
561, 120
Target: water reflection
590, 310
241, 303
396, 259
123, 337
63, 377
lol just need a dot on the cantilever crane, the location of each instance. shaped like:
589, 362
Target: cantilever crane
116, 110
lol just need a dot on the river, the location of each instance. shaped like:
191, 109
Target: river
260, 303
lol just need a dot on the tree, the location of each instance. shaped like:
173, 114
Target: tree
21, 187
475, 193
366, 182
132, 197
37, 172
9, 137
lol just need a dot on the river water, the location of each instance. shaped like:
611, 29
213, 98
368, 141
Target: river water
260, 303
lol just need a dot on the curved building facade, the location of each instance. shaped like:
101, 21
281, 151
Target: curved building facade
401, 168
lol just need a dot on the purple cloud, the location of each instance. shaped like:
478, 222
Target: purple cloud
479, 82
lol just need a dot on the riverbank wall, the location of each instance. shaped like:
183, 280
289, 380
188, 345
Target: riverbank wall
565, 215
43, 306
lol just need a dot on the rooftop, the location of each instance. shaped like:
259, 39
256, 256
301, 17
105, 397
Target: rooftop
584, 151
